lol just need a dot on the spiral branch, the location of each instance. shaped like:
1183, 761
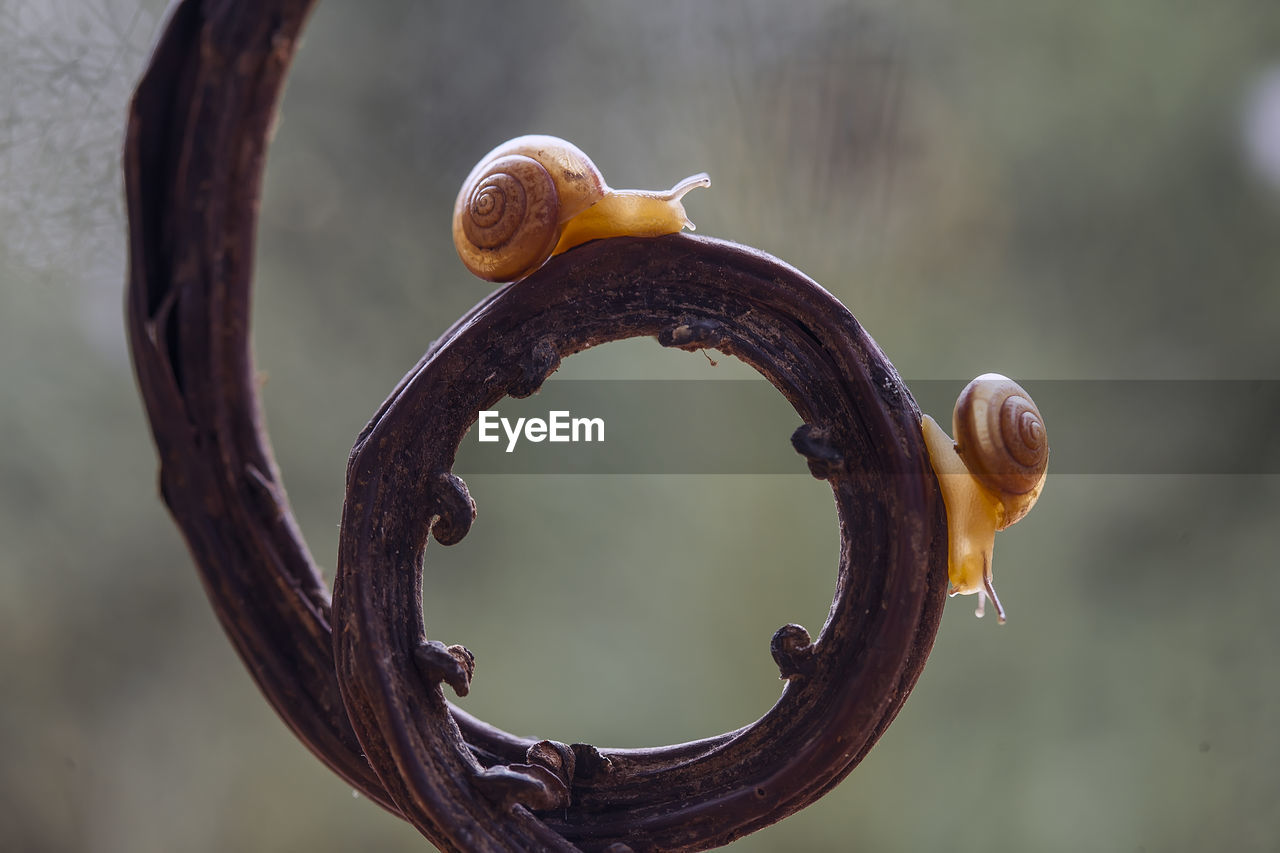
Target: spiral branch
356, 679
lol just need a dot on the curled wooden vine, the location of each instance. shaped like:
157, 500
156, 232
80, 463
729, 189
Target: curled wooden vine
860, 432
359, 683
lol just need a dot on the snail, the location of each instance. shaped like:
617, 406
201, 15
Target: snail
537, 196
990, 476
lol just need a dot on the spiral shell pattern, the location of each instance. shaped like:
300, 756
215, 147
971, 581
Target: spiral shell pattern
506, 219
1000, 436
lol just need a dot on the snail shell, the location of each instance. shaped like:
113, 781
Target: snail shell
1000, 436
536, 196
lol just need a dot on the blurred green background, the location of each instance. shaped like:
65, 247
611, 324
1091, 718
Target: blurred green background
1054, 190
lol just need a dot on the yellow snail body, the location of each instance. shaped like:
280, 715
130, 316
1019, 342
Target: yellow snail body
537, 196
990, 476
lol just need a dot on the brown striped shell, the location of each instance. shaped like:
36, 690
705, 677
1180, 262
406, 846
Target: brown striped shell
512, 207
1000, 436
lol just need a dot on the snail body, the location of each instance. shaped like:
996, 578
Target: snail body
990, 476
536, 196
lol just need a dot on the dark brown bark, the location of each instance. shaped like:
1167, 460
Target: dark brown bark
362, 679
194, 153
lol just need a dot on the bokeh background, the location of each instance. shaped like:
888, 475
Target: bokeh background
1080, 190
